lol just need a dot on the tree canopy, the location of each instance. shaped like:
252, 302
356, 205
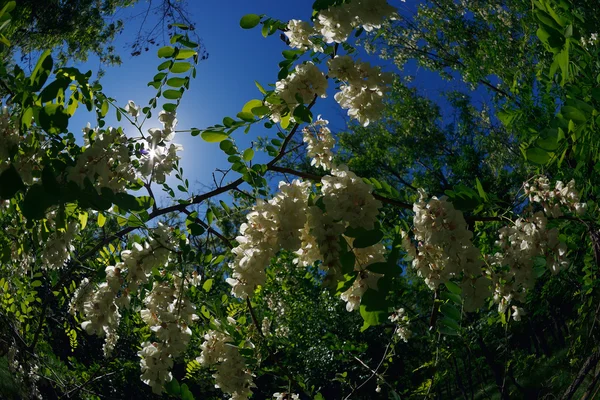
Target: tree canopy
435, 247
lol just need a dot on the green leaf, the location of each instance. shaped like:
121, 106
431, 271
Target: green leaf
248, 154
166, 51
386, 268
453, 287
249, 21
185, 53
180, 67
42, 71
207, 285
302, 113
246, 116
373, 308
251, 104
450, 323
537, 155
176, 82
450, 311
10, 182
452, 297
83, 218
573, 113
173, 387
170, 107
53, 119
214, 136
101, 220
368, 238
196, 229
172, 94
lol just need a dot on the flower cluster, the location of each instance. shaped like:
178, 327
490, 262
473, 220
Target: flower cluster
143, 257
57, 248
347, 197
100, 305
363, 87
299, 34
100, 309
364, 279
336, 23
21, 147
402, 322
520, 245
156, 365
444, 248
300, 87
552, 199
168, 313
319, 143
104, 160
158, 160
231, 376
286, 396
271, 226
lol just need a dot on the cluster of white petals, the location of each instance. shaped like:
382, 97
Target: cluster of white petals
563, 195
365, 279
143, 257
444, 250
231, 375
299, 34
132, 109
270, 226
156, 364
300, 87
57, 248
319, 143
27, 159
158, 160
100, 304
286, 396
337, 22
321, 241
347, 197
100, 309
402, 322
104, 160
520, 245
363, 87
168, 313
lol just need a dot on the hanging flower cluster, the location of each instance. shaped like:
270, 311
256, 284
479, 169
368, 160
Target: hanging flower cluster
319, 143
231, 375
57, 248
168, 313
444, 249
158, 159
100, 305
288, 222
286, 396
563, 195
22, 150
402, 322
300, 87
271, 226
363, 87
520, 245
104, 160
